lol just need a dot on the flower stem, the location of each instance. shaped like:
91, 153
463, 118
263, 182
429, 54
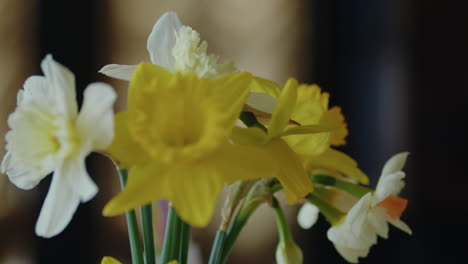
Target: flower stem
332, 214
185, 235
147, 220
176, 239
352, 188
283, 228
234, 230
132, 226
217, 248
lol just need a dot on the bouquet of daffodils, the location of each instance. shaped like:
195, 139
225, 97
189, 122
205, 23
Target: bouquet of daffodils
193, 126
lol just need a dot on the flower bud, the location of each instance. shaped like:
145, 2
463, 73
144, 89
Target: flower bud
288, 252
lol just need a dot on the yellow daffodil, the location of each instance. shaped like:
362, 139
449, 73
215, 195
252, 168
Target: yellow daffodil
47, 134
311, 108
177, 48
292, 176
174, 137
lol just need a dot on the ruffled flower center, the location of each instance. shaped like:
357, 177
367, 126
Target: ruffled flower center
191, 56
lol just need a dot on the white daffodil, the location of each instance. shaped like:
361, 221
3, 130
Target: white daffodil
357, 231
176, 48
48, 135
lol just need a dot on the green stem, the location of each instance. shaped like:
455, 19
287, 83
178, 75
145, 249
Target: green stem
170, 238
185, 234
132, 226
176, 239
283, 228
217, 248
332, 214
354, 189
147, 220
234, 230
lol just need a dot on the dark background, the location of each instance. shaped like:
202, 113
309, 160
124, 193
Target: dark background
397, 68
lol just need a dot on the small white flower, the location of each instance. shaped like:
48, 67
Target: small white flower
358, 230
48, 135
176, 48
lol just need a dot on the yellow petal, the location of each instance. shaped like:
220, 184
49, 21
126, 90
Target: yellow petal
173, 262
261, 85
309, 129
193, 189
236, 162
296, 183
334, 117
312, 92
251, 136
110, 260
338, 161
144, 184
283, 109
233, 92
124, 149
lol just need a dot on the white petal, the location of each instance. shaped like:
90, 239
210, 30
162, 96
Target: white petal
121, 72
351, 254
357, 216
261, 101
58, 208
308, 215
96, 119
395, 163
23, 179
354, 231
74, 170
377, 218
400, 225
391, 184
62, 83
35, 88
162, 39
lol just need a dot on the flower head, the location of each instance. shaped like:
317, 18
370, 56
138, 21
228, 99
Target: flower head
174, 137
48, 135
178, 49
309, 127
358, 231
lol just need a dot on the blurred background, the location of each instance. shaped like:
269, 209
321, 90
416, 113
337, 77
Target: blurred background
397, 68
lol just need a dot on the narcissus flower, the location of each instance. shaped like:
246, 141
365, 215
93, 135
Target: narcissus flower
358, 231
48, 135
311, 108
174, 137
294, 179
177, 48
